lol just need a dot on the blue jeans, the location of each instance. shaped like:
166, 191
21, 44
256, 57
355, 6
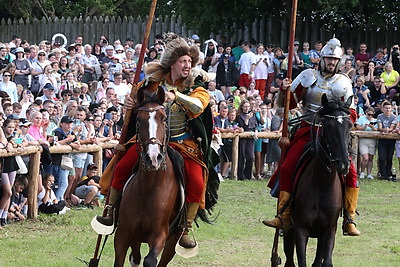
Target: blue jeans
61, 177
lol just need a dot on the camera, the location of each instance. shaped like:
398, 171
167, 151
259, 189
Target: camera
104, 41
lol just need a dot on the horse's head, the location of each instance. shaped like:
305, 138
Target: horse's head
335, 136
152, 128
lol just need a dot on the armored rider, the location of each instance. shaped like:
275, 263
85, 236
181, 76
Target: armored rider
309, 86
182, 85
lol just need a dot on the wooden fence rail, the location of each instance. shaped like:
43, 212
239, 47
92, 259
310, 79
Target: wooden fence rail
265, 30
34, 168
356, 135
97, 151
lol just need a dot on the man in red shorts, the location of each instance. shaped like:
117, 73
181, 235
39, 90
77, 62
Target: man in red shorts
309, 86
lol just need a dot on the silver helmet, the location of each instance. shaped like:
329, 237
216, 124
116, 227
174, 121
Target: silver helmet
332, 49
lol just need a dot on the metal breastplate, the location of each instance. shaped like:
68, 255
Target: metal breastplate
177, 121
336, 87
177, 116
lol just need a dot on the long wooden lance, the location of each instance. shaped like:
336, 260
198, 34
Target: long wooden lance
120, 148
284, 140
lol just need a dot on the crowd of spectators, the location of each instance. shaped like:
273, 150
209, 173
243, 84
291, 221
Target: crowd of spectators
74, 95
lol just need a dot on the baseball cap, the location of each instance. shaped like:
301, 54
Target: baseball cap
48, 86
13, 117
296, 43
91, 165
24, 122
226, 55
109, 47
67, 119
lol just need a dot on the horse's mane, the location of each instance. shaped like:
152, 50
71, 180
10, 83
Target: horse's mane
333, 105
150, 97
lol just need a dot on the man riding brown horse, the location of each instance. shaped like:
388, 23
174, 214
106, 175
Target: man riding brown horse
309, 86
188, 98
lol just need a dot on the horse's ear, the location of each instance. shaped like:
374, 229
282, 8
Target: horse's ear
324, 100
348, 102
161, 95
140, 94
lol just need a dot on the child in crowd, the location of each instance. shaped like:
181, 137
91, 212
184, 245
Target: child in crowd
47, 200
18, 208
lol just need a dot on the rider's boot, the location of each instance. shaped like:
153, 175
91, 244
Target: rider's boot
350, 202
185, 241
113, 202
282, 220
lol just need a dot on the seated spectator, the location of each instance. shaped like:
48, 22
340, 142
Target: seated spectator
379, 60
214, 92
18, 208
348, 69
362, 93
88, 187
26, 99
47, 200
377, 91
252, 91
36, 130
391, 79
48, 93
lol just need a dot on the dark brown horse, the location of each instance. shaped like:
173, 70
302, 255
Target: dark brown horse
150, 200
317, 201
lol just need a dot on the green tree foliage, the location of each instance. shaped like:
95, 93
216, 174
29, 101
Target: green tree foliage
208, 16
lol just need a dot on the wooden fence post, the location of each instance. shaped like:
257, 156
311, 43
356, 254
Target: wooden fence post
33, 185
98, 160
235, 157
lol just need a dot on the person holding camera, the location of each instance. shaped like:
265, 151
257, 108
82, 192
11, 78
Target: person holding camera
367, 146
394, 57
47, 200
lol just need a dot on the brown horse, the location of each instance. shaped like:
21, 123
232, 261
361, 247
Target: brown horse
150, 200
318, 196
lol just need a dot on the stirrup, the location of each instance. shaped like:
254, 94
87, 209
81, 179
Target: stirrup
102, 229
186, 252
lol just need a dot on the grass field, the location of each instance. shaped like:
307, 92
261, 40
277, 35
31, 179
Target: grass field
237, 239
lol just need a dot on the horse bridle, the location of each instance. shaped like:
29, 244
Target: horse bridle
318, 146
153, 140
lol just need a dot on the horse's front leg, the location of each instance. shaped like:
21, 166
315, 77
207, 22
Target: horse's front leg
328, 241
169, 250
156, 245
121, 245
288, 247
301, 240
134, 257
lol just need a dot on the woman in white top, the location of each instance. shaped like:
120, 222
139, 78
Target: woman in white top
9, 87
37, 71
261, 70
26, 100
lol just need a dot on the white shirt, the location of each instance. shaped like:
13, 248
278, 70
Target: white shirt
10, 89
121, 90
246, 61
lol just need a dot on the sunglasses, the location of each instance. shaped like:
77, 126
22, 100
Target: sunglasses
7, 75
90, 119
67, 95
370, 114
41, 55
